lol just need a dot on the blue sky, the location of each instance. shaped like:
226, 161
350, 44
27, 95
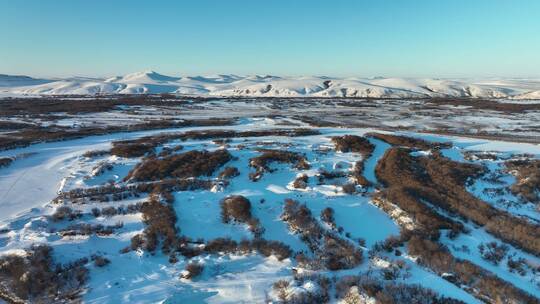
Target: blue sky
417, 38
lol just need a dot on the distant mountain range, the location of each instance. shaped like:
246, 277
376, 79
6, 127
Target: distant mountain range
150, 82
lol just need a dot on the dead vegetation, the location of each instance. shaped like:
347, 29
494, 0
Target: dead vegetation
160, 221
237, 208
193, 270
229, 172
331, 251
410, 142
189, 164
5, 161
360, 289
353, 143
413, 182
301, 182
36, 134
475, 280
262, 162
36, 278
527, 185
265, 247
358, 144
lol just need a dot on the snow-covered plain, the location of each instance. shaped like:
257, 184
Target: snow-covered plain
29, 184
150, 82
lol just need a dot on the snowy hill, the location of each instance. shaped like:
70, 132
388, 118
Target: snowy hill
150, 82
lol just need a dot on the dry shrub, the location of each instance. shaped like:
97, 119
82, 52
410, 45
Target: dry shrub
36, 278
160, 220
188, 164
100, 261
493, 252
410, 142
327, 216
267, 248
353, 143
330, 250
527, 185
349, 188
480, 282
262, 162
96, 153
301, 182
229, 172
238, 208
354, 289
193, 270
235, 207
65, 212
89, 229
413, 181
5, 161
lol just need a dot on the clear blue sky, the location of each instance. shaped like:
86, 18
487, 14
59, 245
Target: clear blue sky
416, 38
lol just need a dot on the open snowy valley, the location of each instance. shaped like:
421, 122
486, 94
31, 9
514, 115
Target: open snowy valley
167, 199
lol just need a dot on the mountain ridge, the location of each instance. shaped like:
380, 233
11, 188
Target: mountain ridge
151, 82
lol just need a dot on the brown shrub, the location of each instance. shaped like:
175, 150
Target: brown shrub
264, 247
353, 143
301, 182
229, 172
160, 220
493, 252
65, 212
480, 282
100, 261
262, 162
131, 148
349, 188
96, 153
527, 185
193, 270
35, 278
5, 161
410, 142
188, 164
330, 250
237, 208
327, 216
415, 181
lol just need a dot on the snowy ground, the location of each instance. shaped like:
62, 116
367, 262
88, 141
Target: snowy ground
29, 184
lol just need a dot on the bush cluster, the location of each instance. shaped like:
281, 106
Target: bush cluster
5, 161
353, 143
410, 142
238, 208
36, 278
527, 185
412, 182
193, 270
480, 282
267, 248
189, 164
65, 213
160, 220
229, 172
301, 182
331, 251
262, 162
354, 289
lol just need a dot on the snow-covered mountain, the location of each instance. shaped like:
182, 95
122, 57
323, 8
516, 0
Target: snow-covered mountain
150, 82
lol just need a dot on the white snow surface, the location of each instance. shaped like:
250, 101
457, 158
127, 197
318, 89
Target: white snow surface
150, 82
